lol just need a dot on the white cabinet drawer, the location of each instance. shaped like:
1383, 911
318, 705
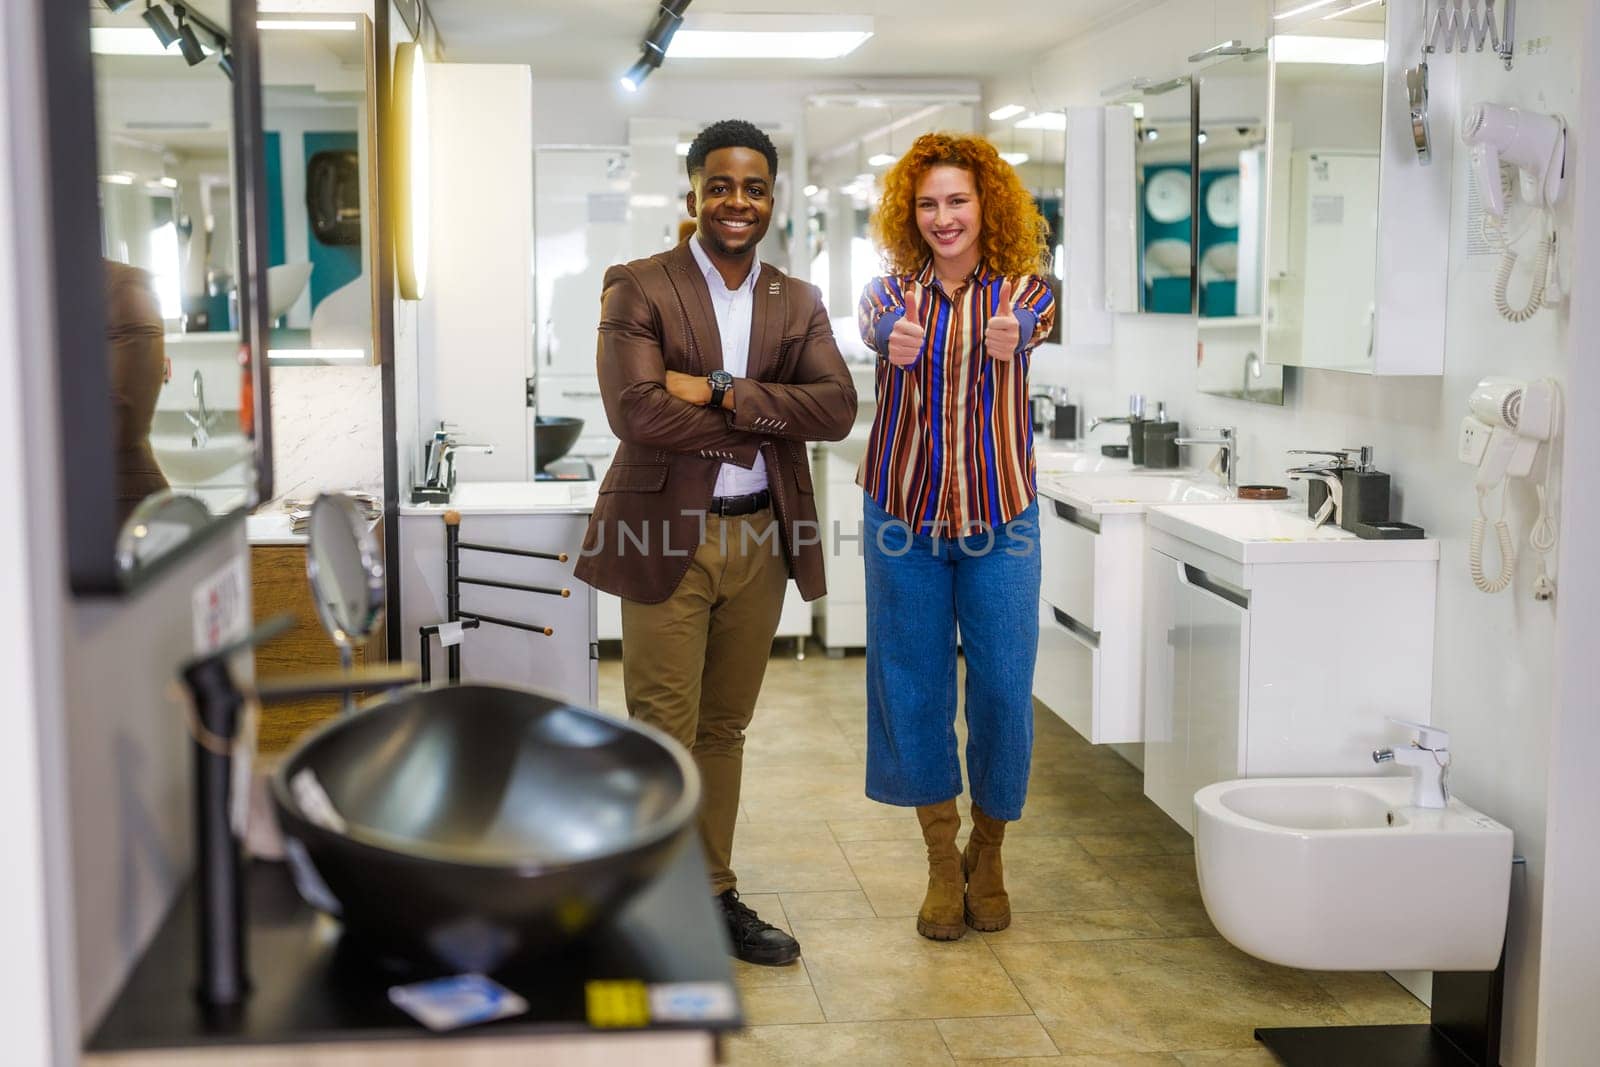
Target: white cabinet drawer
1069, 543
1066, 677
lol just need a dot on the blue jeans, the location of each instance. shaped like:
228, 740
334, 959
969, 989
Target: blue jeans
918, 589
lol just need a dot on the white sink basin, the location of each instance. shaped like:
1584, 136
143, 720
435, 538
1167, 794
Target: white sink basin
1342, 874
185, 465
1113, 493
1256, 532
1056, 458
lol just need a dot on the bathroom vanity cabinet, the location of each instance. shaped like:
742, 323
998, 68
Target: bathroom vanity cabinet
279, 586
1289, 662
541, 516
841, 616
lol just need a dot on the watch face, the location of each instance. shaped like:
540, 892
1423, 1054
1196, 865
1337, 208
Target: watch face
722, 378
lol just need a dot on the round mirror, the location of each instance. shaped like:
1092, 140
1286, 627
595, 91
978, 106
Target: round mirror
345, 565
159, 524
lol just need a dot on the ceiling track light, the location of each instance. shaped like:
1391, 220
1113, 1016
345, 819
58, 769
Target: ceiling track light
225, 64
155, 16
669, 16
189, 43
637, 73
116, 6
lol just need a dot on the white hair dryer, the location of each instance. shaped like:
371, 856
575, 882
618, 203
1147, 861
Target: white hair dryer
1508, 422
1537, 145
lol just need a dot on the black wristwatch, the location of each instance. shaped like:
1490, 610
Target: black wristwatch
721, 381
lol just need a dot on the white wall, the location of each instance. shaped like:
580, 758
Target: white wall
1493, 660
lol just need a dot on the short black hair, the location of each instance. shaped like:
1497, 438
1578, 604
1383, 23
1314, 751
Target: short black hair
731, 133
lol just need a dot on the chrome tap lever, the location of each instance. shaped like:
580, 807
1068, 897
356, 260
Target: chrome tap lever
1332, 508
1429, 758
1227, 442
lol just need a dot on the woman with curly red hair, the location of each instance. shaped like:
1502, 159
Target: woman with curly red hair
951, 522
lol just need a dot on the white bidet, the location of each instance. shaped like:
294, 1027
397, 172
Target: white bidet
1344, 874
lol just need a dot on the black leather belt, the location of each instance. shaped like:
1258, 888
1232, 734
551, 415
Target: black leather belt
741, 505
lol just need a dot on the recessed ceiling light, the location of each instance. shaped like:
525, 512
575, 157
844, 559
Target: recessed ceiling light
1044, 120
326, 25
810, 190
1303, 8
682, 147
1016, 159
121, 177
769, 36
882, 159
1353, 7
1000, 114
1345, 51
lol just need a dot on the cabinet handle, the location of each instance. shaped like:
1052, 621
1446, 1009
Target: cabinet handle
1084, 636
1076, 517
1196, 578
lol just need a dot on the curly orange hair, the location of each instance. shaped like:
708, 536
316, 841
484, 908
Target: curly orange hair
1015, 237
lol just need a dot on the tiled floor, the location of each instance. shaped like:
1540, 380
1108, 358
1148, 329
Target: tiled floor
1110, 959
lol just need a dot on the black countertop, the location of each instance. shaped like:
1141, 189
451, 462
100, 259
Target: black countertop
310, 986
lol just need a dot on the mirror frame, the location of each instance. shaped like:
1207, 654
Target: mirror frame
78, 305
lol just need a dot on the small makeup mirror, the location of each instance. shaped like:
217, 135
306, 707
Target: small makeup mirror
345, 565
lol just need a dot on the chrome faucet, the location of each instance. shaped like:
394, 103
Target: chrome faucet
1332, 509
1429, 759
1135, 413
202, 420
1227, 442
442, 449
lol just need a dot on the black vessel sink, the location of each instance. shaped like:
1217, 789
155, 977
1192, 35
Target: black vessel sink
553, 437
475, 825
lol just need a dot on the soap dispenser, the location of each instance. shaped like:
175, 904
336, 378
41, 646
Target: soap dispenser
1160, 440
1366, 494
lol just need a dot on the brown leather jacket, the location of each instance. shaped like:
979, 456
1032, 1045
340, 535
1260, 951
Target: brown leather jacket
656, 315
138, 365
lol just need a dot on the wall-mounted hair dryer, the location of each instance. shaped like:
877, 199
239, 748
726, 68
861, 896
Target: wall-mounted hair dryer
1535, 143
1508, 422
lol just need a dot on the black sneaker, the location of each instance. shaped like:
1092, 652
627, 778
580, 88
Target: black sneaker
755, 941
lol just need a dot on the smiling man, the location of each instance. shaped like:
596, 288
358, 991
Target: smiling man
716, 370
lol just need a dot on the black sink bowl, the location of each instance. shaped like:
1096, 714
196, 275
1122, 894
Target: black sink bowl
481, 825
553, 437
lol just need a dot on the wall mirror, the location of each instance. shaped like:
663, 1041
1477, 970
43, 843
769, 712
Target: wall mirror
1326, 156
851, 140
318, 98
1151, 197
1231, 139
153, 183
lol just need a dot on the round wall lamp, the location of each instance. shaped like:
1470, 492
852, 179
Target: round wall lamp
411, 163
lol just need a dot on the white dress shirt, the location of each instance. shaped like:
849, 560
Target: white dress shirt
734, 308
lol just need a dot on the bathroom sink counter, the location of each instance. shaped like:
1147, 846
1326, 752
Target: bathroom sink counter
270, 525
1256, 532
515, 498
312, 992
1130, 492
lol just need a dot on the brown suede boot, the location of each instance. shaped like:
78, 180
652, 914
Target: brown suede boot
987, 905
940, 917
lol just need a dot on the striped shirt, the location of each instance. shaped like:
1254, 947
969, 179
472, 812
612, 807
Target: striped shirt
952, 441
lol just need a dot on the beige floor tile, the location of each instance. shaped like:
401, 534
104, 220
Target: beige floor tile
883, 969
1372, 999
795, 737
903, 827
1099, 997
1114, 925
1182, 920
1015, 1036
778, 858
1131, 1059
1144, 844
842, 904
1231, 1057
1156, 881
875, 1044
820, 791
771, 1005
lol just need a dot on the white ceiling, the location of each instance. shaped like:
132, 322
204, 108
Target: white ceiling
912, 38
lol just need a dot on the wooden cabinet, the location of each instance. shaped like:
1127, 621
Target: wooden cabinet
279, 586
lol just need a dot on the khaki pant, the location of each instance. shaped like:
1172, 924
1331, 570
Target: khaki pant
692, 665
